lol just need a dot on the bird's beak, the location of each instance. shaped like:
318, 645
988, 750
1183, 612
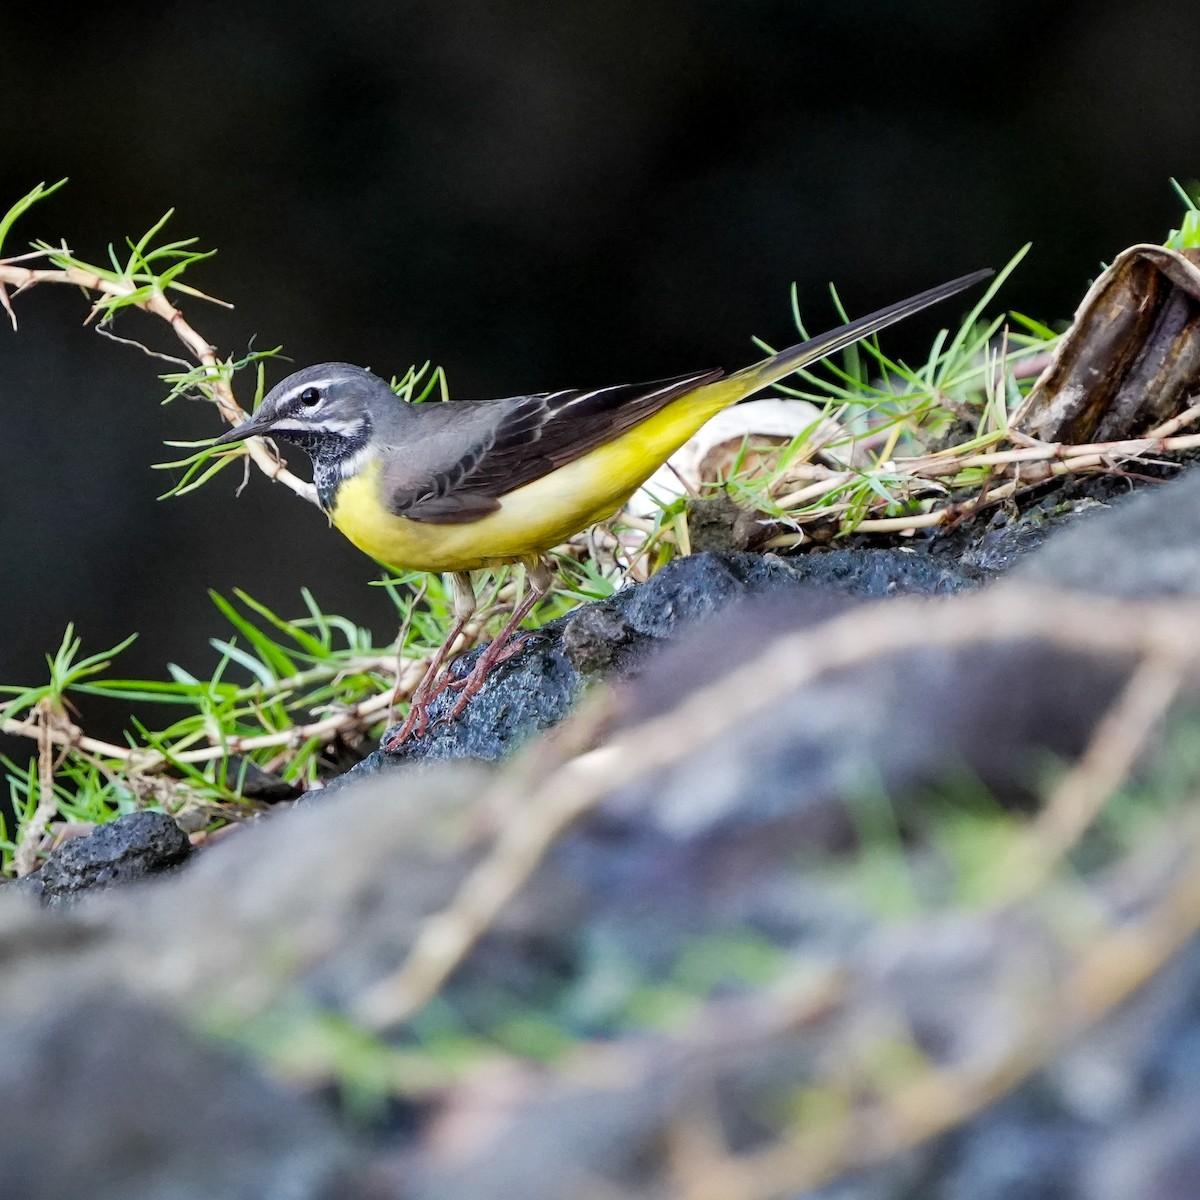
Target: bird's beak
239, 433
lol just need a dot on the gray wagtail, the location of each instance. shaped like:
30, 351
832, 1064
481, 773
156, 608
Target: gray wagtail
471, 484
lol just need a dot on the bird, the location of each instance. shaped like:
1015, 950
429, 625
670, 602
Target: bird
467, 485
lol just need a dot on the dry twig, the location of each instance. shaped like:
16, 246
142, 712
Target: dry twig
261, 452
1050, 461
26, 855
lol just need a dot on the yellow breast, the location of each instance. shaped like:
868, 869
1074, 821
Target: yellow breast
533, 518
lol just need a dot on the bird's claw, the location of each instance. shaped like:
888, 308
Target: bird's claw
417, 722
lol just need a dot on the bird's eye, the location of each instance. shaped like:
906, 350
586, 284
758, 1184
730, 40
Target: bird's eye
309, 397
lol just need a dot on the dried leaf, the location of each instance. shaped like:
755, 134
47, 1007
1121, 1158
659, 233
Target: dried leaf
1132, 358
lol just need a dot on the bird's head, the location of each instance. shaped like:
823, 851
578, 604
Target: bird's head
329, 410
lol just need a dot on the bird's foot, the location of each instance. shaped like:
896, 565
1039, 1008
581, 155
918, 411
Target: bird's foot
474, 679
502, 648
417, 720
471, 684
415, 723
432, 684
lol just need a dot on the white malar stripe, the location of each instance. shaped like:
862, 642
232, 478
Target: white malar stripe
347, 468
339, 426
334, 426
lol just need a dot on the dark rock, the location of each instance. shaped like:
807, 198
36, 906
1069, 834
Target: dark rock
253, 783
529, 692
996, 546
111, 1099
1156, 1156
990, 543
537, 686
875, 574
719, 525
314, 907
132, 847
1018, 1155
596, 638
649, 898
688, 589
1145, 545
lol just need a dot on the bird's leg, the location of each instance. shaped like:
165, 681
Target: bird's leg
503, 646
427, 692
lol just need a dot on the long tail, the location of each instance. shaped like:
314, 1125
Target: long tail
778, 366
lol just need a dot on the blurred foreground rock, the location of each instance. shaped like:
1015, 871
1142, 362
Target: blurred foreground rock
763, 931
105, 1097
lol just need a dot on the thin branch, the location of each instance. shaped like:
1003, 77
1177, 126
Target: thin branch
260, 453
26, 855
341, 722
105, 332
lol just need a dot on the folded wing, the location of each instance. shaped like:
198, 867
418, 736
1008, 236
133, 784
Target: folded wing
453, 462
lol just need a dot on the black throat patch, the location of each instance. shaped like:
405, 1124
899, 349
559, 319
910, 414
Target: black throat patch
331, 454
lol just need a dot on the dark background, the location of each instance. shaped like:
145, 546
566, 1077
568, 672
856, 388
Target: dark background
533, 195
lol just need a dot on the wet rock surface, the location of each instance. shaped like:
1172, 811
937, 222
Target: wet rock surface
133, 847
1147, 545
763, 921
993, 542
537, 686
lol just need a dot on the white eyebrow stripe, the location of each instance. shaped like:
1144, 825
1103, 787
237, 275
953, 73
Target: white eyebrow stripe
296, 389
